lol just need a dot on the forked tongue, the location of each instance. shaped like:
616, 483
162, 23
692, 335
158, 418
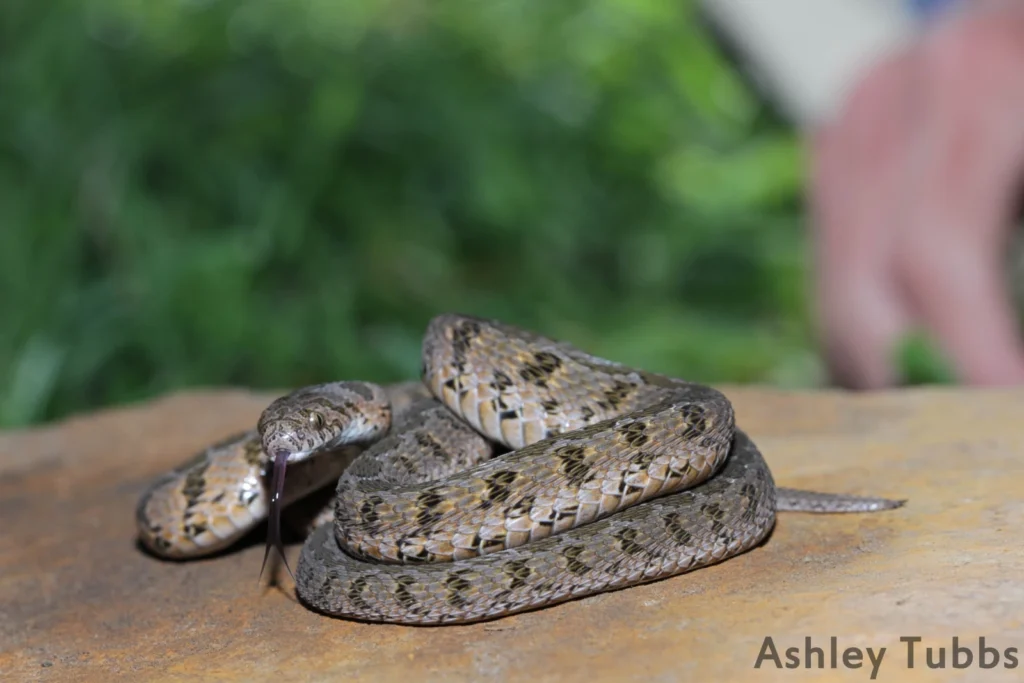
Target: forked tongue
274, 522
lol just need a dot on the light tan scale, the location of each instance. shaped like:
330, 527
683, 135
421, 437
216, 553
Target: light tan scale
613, 477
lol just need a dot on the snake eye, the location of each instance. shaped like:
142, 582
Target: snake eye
316, 420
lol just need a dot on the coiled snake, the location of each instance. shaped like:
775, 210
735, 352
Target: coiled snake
616, 477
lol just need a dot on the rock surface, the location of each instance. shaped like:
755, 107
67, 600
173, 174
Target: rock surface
80, 602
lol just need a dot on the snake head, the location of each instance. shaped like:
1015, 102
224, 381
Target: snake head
323, 417
313, 419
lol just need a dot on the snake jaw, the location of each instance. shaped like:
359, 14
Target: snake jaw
283, 440
281, 459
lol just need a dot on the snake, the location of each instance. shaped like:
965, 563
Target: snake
518, 473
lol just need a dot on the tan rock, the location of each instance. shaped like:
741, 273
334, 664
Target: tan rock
80, 602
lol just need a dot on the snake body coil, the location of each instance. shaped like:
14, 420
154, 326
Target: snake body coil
615, 477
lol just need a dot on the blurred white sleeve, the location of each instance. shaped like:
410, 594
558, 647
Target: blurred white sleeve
807, 54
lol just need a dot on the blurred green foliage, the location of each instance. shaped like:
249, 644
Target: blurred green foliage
921, 361
272, 193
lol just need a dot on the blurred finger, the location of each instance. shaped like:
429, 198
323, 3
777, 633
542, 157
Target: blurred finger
963, 192
858, 166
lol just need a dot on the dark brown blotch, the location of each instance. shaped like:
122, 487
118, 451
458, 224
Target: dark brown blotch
456, 587
405, 598
499, 485
427, 519
517, 572
428, 443
572, 461
195, 483
750, 500
676, 528
407, 464
643, 459
538, 370
427, 501
696, 417
615, 396
463, 335
523, 506
193, 529
634, 433
550, 406
355, 593
574, 564
547, 362
712, 511
368, 509
627, 541
501, 381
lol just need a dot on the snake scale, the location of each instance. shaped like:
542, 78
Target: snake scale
521, 472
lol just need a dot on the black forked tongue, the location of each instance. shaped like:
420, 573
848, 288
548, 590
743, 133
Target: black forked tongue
274, 522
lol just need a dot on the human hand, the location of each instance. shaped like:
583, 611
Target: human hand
913, 194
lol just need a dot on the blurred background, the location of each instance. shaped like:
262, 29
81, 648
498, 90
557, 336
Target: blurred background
269, 194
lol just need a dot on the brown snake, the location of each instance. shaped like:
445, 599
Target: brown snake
616, 477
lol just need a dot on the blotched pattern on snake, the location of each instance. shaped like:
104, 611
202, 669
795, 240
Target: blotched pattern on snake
613, 477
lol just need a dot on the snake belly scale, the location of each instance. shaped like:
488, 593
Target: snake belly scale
610, 477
